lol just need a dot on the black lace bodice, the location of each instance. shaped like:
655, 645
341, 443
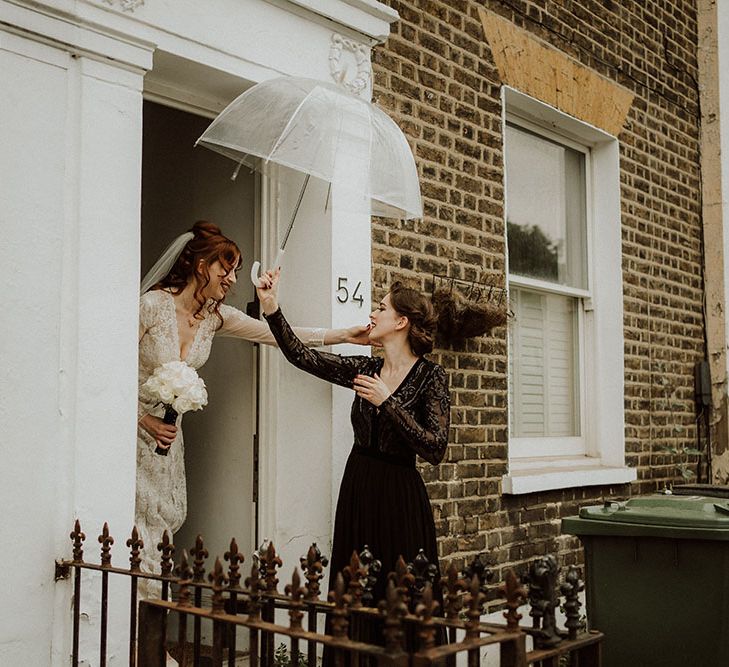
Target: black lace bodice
413, 420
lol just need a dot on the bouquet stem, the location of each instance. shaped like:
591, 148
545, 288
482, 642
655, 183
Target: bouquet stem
170, 417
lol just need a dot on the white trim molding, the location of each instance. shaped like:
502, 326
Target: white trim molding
368, 17
530, 475
80, 37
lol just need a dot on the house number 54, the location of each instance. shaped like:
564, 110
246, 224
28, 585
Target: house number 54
343, 294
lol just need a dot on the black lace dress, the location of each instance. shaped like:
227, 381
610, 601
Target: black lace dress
382, 499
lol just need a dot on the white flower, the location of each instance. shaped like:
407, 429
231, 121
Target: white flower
176, 384
182, 404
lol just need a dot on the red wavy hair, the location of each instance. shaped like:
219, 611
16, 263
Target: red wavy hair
207, 245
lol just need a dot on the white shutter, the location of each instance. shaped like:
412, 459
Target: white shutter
530, 365
562, 418
542, 366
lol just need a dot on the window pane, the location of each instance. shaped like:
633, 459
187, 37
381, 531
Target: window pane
545, 209
544, 391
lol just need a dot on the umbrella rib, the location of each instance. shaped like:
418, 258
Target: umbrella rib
296, 210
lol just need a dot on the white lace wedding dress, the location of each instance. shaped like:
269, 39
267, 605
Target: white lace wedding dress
161, 499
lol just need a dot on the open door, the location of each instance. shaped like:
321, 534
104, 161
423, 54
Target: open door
182, 184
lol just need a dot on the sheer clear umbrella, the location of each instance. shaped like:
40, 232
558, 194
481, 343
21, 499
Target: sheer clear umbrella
322, 130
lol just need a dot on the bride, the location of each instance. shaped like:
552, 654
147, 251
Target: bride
181, 310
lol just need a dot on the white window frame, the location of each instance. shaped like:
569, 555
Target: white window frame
599, 456
520, 447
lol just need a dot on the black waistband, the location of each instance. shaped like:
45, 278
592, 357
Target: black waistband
407, 461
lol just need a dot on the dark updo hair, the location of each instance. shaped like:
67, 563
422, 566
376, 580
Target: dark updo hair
209, 245
419, 311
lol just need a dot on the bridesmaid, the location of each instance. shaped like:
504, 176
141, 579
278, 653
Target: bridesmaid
401, 410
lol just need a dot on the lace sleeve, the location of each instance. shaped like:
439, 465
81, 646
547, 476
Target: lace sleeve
331, 367
429, 438
237, 324
146, 318
146, 313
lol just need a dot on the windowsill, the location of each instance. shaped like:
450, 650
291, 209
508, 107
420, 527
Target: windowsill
559, 472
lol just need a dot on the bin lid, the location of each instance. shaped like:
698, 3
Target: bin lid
657, 515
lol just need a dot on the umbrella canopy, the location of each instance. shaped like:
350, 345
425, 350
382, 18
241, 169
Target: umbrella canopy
324, 131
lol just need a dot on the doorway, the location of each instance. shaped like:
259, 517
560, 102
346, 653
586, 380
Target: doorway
182, 184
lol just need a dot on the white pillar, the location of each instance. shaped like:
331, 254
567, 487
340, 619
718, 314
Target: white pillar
102, 301
69, 209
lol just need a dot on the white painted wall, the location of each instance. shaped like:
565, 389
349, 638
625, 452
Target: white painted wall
72, 73
32, 237
69, 210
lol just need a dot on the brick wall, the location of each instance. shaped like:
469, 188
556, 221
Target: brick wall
436, 77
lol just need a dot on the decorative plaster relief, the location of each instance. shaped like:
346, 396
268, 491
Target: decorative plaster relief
339, 66
126, 5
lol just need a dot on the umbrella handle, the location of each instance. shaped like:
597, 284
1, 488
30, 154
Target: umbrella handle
256, 267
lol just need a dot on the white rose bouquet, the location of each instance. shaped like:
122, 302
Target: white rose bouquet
177, 387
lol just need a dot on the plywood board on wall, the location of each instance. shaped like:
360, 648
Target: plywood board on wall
539, 70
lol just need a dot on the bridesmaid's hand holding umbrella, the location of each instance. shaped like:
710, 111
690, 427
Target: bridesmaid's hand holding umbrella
267, 290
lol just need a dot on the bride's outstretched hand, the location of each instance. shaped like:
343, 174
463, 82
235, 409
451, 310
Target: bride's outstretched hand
359, 335
268, 291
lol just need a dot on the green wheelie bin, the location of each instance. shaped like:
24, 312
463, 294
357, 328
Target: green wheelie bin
657, 579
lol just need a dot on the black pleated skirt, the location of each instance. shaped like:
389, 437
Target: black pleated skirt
382, 504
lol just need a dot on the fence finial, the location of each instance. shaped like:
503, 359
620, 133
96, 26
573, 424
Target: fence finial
453, 585
235, 558
167, 550
200, 553
353, 573
403, 580
475, 608
544, 600
254, 586
184, 574
394, 608
312, 565
570, 589
339, 614
373, 567
218, 579
77, 537
423, 572
106, 541
270, 562
425, 610
515, 594
136, 544
295, 591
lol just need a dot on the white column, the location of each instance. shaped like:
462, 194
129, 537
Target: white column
101, 314
33, 109
69, 206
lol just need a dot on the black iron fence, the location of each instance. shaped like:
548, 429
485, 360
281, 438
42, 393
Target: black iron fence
289, 628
